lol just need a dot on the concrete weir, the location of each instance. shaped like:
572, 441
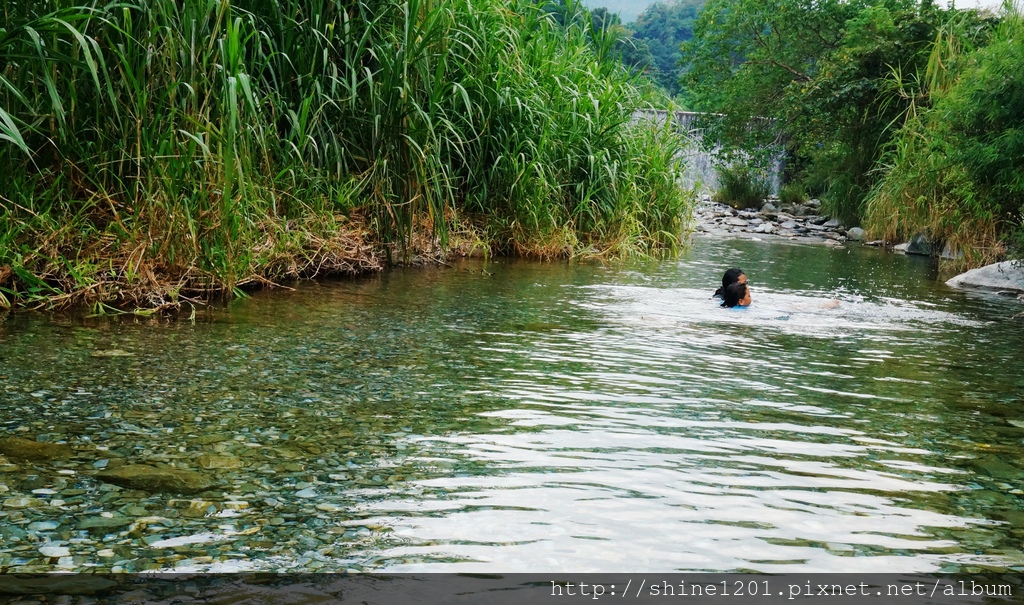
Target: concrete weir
701, 158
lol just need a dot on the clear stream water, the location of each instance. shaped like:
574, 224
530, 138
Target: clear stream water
535, 417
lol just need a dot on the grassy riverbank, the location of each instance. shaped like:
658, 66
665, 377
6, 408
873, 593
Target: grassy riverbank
158, 153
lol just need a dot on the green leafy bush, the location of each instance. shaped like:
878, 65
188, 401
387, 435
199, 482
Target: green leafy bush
792, 194
741, 186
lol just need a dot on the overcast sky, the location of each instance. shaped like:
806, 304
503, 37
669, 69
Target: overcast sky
978, 3
629, 9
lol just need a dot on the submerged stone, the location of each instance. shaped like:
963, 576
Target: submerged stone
110, 353
25, 449
214, 438
55, 584
103, 525
152, 479
43, 525
54, 551
23, 502
219, 461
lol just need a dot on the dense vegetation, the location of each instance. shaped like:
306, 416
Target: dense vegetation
163, 150
899, 114
660, 30
955, 168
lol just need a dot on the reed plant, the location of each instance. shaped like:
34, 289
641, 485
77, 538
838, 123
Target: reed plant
792, 194
741, 186
163, 151
954, 169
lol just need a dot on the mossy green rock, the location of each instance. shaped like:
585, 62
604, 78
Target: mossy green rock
153, 479
62, 585
214, 461
17, 448
103, 525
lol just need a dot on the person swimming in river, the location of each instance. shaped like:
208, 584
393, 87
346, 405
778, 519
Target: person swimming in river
735, 292
736, 295
735, 279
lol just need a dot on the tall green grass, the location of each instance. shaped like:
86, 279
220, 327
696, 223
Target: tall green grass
161, 151
741, 186
955, 170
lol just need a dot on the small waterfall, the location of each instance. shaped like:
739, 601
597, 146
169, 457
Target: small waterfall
700, 163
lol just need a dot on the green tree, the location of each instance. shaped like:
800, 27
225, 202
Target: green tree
819, 69
662, 28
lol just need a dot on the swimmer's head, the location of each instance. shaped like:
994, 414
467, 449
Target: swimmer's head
736, 295
731, 276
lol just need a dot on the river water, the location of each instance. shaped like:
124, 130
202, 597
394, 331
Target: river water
527, 416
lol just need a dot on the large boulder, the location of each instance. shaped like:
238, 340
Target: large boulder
919, 244
152, 479
17, 448
55, 584
1007, 275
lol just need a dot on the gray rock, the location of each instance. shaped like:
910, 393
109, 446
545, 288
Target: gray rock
856, 234
832, 224
919, 244
153, 479
54, 551
769, 208
817, 220
765, 228
736, 222
901, 247
813, 203
788, 225
948, 254
1007, 275
43, 525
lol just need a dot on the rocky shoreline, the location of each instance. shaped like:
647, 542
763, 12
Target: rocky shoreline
774, 221
804, 223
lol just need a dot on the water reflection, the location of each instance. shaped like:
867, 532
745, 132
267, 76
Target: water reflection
533, 417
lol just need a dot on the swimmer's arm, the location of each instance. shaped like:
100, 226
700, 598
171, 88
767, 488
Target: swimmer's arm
828, 304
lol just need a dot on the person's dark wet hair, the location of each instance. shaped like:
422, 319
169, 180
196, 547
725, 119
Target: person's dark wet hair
734, 295
731, 277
